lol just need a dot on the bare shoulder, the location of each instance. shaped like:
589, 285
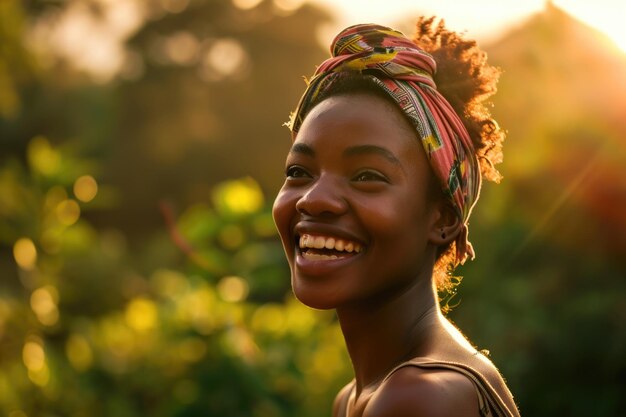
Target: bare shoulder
492, 375
339, 405
413, 392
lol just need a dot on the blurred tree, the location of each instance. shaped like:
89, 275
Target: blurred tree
217, 83
16, 65
194, 319
179, 85
85, 331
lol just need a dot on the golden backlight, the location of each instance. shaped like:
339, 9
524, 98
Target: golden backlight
96, 44
483, 19
606, 16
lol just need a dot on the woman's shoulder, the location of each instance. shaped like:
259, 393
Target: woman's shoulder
417, 391
439, 387
341, 400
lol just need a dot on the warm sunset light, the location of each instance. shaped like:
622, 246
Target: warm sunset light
484, 19
167, 248
607, 16
96, 45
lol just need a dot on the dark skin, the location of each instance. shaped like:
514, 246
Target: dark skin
357, 174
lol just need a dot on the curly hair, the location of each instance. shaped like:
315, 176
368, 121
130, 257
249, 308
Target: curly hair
466, 80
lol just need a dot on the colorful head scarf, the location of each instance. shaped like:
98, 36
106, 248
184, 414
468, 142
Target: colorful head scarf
406, 72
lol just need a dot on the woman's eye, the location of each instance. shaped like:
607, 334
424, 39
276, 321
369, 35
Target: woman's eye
295, 171
369, 176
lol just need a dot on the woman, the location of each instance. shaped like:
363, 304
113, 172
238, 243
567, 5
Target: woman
380, 183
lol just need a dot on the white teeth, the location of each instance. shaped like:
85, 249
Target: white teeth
318, 257
321, 242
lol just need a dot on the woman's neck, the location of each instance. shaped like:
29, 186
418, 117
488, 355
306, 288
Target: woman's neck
381, 335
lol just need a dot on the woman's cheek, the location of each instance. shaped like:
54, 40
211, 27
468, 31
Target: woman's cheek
283, 211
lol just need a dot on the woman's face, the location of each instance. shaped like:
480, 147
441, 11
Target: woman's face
355, 214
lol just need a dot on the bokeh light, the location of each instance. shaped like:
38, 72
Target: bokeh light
34, 358
25, 253
233, 289
182, 48
44, 301
68, 212
141, 314
225, 58
85, 188
43, 158
238, 196
246, 4
33, 355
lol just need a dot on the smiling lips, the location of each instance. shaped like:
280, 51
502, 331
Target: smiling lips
327, 248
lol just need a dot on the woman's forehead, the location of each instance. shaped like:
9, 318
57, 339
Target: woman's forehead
361, 115
351, 127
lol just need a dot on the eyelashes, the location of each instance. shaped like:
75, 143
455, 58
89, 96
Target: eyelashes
369, 176
295, 172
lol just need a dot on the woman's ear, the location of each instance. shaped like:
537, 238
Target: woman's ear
446, 224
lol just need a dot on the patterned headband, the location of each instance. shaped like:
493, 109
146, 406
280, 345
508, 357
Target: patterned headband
405, 72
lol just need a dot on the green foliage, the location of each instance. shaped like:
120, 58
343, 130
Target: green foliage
16, 64
85, 333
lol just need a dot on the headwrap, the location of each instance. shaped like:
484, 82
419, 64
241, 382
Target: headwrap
406, 72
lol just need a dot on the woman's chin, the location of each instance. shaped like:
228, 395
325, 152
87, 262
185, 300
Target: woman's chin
314, 298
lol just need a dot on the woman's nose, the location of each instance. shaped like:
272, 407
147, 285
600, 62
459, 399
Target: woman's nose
324, 197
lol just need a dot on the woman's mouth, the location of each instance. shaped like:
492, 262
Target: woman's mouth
324, 248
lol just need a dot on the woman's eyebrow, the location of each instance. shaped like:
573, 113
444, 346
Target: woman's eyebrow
371, 149
302, 148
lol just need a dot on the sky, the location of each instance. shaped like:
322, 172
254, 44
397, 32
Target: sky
480, 19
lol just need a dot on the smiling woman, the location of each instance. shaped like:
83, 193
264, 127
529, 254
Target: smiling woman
380, 183
357, 186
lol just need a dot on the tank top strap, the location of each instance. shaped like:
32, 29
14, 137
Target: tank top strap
489, 402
